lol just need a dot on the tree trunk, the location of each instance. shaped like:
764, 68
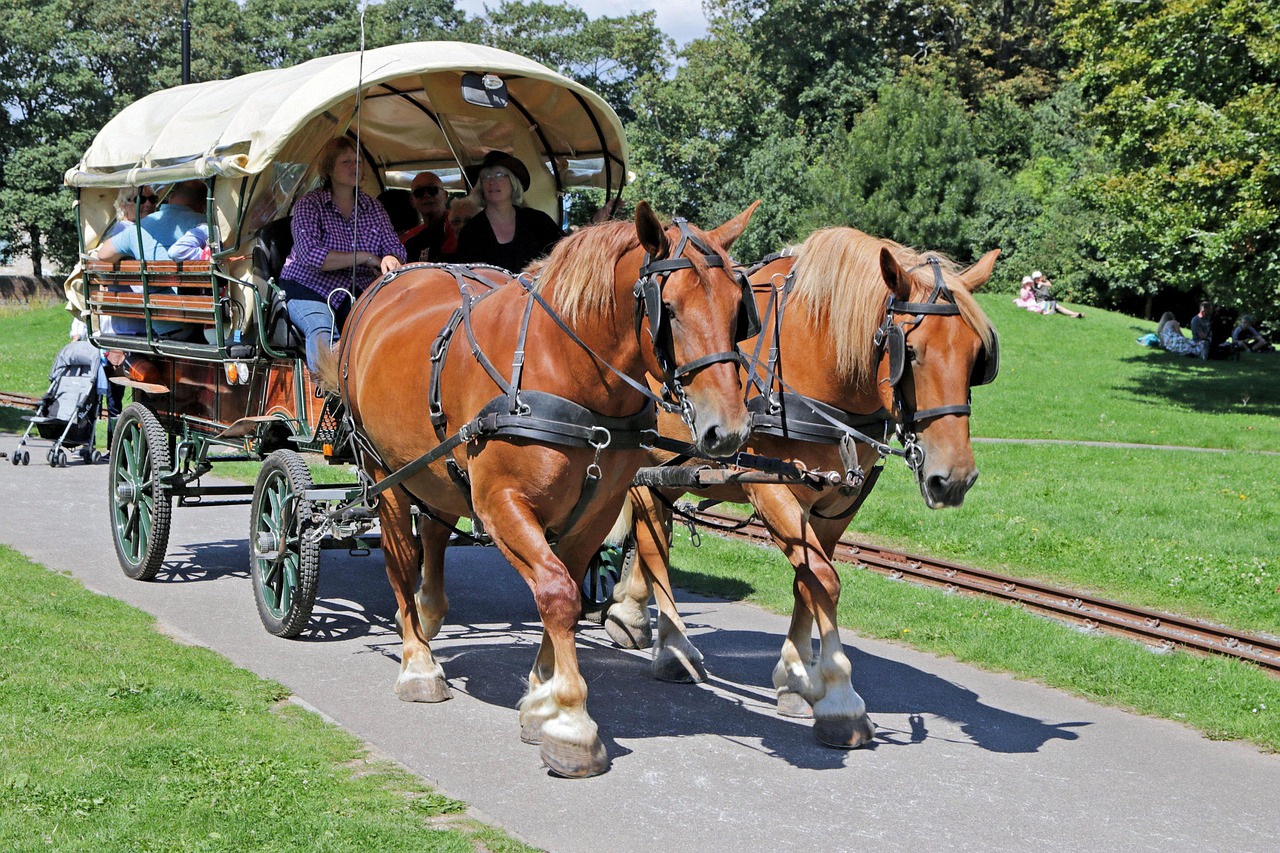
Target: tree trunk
37, 251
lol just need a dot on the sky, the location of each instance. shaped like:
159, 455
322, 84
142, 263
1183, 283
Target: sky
681, 19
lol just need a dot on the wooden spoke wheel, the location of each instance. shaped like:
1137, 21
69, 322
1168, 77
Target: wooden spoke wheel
139, 501
283, 559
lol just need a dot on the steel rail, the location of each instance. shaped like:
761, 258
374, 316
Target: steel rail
18, 401
1163, 630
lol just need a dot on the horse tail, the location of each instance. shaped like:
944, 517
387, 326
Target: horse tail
327, 369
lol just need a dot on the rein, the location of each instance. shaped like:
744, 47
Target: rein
540, 415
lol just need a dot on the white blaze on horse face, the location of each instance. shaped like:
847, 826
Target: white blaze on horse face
941, 365
718, 421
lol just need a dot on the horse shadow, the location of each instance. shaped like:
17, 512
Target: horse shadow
491, 635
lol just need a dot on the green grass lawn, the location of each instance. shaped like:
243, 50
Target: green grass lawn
126, 740
1188, 532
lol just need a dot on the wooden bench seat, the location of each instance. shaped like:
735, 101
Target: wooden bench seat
177, 291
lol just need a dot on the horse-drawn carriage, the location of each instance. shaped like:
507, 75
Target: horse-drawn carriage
225, 379
536, 424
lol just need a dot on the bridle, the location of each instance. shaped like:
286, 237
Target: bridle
891, 339
649, 304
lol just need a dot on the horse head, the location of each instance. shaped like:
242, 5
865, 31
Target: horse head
691, 309
935, 345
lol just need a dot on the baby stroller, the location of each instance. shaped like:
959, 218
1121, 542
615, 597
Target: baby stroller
68, 411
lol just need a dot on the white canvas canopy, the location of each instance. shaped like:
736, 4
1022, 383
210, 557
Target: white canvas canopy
412, 116
256, 138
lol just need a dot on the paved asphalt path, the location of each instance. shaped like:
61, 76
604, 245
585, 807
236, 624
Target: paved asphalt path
964, 760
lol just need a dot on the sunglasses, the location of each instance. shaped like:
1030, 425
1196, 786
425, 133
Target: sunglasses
431, 190
148, 199
496, 176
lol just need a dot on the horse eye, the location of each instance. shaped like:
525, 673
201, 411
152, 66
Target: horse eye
911, 354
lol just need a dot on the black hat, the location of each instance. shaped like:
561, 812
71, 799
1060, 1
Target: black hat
503, 159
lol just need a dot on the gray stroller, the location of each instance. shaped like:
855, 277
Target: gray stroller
68, 412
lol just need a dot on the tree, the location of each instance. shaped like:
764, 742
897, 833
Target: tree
289, 32
1186, 100
608, 55
398, 21
907, 170
60, 81
693, 132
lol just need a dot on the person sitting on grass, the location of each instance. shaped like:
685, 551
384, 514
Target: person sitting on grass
1174, 340
1043, 290
1247, 337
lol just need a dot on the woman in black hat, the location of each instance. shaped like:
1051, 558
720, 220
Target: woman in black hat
504, 233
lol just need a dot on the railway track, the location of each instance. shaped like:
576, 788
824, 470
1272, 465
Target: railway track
1163, 630
18, 401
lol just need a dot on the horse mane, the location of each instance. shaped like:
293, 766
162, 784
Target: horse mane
577, 277
838, 284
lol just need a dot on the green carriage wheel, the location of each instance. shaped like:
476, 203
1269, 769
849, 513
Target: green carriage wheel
605, 570
283, 560
140, 503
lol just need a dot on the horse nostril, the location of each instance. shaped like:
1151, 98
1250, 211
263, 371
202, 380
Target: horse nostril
712, 438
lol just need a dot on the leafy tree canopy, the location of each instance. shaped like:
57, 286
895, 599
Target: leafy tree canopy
1186, 98
908, 170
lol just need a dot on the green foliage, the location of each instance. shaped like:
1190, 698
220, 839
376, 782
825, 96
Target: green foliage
693, 131
908, 170
61, 80
609, 55
1185, 97
775, 172
399, 21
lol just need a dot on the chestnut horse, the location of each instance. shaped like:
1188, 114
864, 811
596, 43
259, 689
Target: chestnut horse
859, 334
532, 426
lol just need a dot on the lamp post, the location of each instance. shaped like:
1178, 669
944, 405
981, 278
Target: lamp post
186, 42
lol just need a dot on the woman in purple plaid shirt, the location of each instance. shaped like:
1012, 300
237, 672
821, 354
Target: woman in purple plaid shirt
342, 241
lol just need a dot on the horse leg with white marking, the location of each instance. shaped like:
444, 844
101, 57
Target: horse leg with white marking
409, 561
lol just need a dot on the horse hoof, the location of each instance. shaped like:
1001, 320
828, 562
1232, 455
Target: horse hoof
531, 732
627, 636
794, 705
679, 669
423, 690
844, 733
574, 760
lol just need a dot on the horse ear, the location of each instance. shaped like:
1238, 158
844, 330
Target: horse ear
976, 276
895, 277
650, 232
732, 230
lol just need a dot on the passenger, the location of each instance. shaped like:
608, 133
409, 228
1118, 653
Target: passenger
504, 234
461, 211
1245, 336
182, 211
1027, 297
192, 246
433, 238
399, 206
329, 255
1173, 339
130, 203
